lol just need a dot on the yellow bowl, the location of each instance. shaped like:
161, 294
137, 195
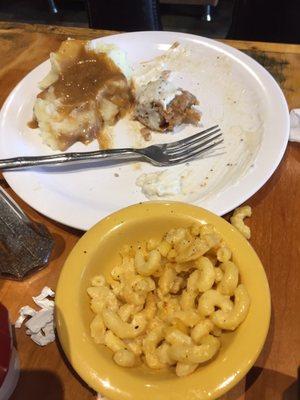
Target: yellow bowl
97, 252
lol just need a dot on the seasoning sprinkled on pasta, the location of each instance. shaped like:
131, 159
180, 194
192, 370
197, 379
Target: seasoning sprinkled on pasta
169, 300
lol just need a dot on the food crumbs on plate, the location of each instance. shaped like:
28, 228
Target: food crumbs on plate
136, 166
146, 134
33, 124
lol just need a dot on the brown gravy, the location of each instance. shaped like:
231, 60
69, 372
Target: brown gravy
82, 78
33, 124
86, 78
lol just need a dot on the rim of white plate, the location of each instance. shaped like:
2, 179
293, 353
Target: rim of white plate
266, 160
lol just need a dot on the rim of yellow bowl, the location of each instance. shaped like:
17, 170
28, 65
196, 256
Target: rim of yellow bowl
118, 383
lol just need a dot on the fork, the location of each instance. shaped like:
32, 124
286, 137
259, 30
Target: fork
164, 154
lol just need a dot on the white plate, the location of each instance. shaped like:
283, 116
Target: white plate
234, 91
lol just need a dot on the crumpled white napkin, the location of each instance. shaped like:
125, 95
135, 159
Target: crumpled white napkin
295, 125
40, 325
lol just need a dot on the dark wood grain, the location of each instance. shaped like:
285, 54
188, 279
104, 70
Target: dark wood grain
275, 228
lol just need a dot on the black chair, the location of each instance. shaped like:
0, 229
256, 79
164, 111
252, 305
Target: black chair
124, 15
266, 20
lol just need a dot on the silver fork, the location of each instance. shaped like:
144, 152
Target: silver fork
159, 154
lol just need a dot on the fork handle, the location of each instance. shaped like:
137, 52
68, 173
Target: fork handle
70, 158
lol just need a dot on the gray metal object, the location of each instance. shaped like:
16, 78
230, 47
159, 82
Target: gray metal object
24, 245
207, 15
53, 6
165, 154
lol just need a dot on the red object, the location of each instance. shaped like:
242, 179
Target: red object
5, 343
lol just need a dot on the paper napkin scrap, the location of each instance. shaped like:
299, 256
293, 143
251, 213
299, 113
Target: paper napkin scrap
40, 325
295, 125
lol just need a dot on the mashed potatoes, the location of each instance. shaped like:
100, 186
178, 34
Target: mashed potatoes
87, 89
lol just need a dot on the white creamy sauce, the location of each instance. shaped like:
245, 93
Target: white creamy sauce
225, 100
164, 183
161, 91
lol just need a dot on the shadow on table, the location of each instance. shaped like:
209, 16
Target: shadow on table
293, 390
270, 384
37, 385
264, 383
239, 390
64, 332
71, 369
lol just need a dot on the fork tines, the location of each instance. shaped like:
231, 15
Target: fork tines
194, 145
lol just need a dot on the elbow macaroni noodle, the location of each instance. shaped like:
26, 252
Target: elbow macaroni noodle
169, 300
237, 220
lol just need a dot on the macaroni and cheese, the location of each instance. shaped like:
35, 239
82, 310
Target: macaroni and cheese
169, 300
237, 220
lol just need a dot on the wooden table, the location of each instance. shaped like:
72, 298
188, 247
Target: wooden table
275, 228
